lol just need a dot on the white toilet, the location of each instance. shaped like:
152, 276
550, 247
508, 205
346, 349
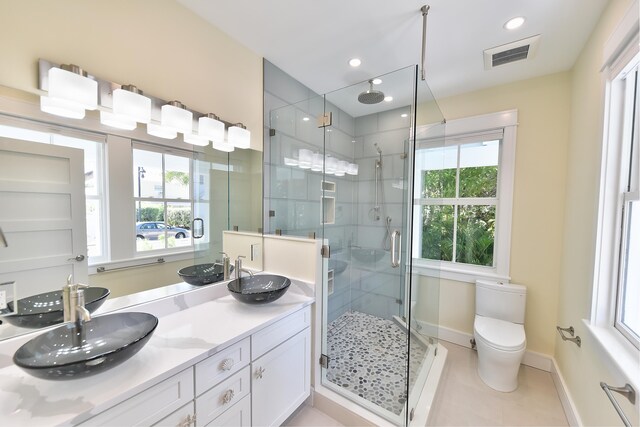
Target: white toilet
499, 333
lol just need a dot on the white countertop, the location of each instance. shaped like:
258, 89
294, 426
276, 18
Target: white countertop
181, 339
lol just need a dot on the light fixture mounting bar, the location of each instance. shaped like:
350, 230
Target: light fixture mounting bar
105, 93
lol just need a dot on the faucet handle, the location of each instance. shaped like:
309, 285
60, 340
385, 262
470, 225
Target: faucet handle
224, 253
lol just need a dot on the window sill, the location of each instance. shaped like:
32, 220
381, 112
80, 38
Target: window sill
459, 274
617, 351
140, 262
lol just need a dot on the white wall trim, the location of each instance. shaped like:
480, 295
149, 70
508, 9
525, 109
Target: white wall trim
531, 358
570, 411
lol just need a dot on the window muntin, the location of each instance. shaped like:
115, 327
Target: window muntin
162, 195
458, 197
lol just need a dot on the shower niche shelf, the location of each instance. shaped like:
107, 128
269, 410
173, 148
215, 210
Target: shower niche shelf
329, 186
328, 210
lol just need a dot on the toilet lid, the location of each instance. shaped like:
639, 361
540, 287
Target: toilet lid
500, 334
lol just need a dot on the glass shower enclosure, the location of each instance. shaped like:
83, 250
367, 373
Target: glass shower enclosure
340, 167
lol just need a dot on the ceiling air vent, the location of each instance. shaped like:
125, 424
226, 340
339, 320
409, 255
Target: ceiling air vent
511, 52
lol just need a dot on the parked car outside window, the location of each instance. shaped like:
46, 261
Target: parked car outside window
153, 231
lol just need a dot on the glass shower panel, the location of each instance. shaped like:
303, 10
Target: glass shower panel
364, 328
430, 179
293, 167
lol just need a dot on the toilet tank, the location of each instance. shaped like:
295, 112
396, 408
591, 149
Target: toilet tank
501, 301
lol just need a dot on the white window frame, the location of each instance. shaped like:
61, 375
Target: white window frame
506, 122
621, 55
138, 145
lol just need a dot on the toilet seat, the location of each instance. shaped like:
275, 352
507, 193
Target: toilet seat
499, 334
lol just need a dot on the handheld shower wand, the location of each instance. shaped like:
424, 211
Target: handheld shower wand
378, 175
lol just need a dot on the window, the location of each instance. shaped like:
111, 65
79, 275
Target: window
462, 198
615, 318
163, 202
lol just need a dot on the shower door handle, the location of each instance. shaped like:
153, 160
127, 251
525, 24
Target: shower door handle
395, 248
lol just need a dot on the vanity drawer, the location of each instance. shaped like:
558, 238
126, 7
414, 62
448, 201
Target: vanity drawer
239, 415
181, 418
222, 397
272, 336
151, 405
221, 365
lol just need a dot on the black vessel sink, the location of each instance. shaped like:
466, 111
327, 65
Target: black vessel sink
42, 310
69, 352
202, 274
337, 265
259, 289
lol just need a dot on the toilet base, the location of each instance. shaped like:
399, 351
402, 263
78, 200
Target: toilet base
499, 369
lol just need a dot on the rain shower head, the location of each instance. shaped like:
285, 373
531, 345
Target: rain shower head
371, 96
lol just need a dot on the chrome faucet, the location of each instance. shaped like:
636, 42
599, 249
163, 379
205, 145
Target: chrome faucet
239, 269
73, 303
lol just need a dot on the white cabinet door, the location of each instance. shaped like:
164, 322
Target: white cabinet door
280, 380
42, 214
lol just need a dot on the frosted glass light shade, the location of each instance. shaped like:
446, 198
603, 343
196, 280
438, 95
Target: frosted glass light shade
117, 121
290, 162
196, 140
132, 105
176, 118
342, 168
305, 158
222, 146
331, 165
352, 169
73, 87
239, 137
211, 129
61, 107
317, 164
160, 131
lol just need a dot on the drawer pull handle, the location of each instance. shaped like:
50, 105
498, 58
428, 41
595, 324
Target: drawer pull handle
228, 396
227, 364
259, 372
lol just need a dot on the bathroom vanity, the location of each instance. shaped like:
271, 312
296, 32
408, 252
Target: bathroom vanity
211, 361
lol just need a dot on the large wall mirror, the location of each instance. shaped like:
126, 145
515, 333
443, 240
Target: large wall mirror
115, 209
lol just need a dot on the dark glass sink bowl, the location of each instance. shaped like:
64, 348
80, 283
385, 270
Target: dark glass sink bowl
338, 266
203, 274
259, 289
68, 352
43, 310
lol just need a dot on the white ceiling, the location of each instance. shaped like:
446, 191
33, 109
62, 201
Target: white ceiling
313, 40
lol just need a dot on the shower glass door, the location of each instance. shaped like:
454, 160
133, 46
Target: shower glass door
366, 223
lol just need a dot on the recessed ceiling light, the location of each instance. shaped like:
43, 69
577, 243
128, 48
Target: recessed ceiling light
376, 81
514, 23
306, 119
355, 62
404, 115
388, 98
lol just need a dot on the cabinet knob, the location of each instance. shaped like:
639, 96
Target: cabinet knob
228, 396
186, 422
227, 364
259, 372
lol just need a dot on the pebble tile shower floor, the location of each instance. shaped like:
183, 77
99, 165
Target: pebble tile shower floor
367, 356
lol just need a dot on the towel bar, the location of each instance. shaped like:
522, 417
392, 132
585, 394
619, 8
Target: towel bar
576, 340
627, 391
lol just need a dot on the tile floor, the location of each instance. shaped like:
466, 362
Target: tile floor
464, 400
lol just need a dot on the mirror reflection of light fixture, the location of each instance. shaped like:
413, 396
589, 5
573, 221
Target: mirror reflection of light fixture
222, 146
129, 101
70, 92
317, 164
194, 139
174, 115
352, 169
239, 136
61, 107
211, 127
160, 131
117, 121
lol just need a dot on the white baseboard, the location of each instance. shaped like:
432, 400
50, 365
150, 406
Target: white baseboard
565, 398
531, 358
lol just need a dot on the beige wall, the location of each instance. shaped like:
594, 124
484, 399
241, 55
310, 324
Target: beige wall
158, 45
543, 106
582, 368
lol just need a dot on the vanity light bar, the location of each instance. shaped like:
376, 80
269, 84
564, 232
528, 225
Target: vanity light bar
307, 159
105, 101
